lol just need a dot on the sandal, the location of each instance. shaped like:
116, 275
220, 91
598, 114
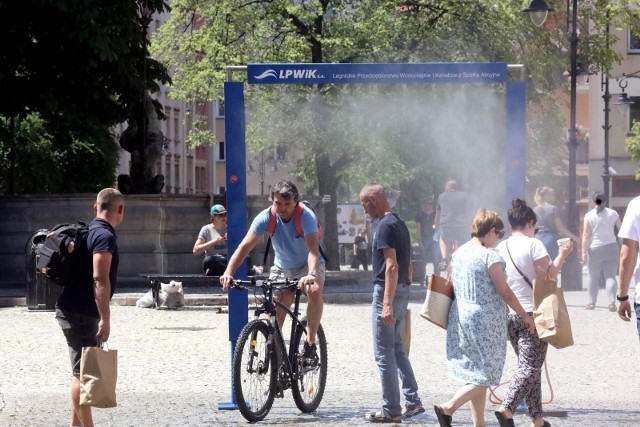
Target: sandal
408, 413
381, 417
443, 419
503, 420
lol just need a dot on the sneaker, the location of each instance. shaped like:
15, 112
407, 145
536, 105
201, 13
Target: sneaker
612, 307
310, 355
591, 306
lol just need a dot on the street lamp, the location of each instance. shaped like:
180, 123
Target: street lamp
537, 7
538, 11
623, 102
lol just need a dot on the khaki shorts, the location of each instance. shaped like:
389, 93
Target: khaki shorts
275, 273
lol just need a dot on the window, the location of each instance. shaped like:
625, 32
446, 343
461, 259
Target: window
634, 43
176, 127
634, 110
220, 108
625, 186
221, 150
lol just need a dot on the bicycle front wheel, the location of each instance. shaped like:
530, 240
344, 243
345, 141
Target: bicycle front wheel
254, 371
310, 379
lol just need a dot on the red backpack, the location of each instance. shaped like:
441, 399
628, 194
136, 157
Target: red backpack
297, 223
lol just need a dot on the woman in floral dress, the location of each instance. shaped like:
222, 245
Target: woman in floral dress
477, 332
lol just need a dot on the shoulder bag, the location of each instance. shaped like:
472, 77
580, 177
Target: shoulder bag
550, 312
438, 301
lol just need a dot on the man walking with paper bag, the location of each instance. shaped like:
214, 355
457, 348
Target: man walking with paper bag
83, 308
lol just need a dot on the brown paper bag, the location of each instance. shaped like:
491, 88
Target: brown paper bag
550, 314
406, 333
98, 375
437, 303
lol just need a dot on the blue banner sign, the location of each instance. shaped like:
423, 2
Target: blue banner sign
453, 72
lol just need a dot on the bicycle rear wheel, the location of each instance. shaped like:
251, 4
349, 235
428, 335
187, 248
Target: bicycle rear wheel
254, 373
308, 386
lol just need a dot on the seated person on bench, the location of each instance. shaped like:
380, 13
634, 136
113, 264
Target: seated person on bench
212, 240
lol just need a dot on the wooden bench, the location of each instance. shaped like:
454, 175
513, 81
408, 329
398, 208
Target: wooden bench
156, 279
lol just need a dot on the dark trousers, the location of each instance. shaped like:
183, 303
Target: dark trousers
214, 265
360, 257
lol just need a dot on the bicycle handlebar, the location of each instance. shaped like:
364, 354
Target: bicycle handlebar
266, 283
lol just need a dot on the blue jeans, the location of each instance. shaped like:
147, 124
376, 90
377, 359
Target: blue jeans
389, 354
550, 241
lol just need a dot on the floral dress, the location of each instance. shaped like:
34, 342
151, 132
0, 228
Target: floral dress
477, 332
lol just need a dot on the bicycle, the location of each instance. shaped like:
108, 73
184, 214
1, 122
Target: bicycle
260, 348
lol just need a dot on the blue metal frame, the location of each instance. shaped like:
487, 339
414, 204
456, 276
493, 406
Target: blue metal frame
452, 73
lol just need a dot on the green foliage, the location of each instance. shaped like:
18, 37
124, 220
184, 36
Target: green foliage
80, 66
204, 36
341, 151
35, 155
633, 145
200, 134
54, 159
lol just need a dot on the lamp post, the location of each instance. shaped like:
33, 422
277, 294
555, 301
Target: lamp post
606, 96
538, 10
606, 175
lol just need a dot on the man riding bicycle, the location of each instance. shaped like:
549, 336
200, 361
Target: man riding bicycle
294, 255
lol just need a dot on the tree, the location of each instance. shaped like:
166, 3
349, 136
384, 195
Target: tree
74, 68
204, 36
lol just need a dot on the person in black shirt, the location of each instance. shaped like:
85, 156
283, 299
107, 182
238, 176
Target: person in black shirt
82, 310
392, 271
360, 251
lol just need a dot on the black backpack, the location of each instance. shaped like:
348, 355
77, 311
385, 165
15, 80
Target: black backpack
64, 257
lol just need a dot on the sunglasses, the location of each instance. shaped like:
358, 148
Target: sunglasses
223, 215
500, 234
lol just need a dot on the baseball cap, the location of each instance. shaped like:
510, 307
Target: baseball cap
217, 210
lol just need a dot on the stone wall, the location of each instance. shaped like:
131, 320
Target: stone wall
156, 236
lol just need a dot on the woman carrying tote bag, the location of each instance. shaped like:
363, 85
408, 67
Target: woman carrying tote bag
477, 328
525, 256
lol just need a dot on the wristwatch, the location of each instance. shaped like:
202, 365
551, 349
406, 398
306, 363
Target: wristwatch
313, 273
624, 298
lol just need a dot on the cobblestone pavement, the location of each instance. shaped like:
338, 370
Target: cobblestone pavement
174, 370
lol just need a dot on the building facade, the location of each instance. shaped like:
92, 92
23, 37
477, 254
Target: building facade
623, 185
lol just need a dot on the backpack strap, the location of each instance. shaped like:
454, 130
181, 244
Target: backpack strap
297, 219
273, 221
297, 223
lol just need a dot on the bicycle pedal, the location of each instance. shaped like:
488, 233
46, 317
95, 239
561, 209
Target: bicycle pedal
279, 391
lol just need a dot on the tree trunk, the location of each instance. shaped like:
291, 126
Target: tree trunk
327, 185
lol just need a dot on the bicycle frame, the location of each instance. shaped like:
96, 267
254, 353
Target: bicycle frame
269, 306
263, 368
